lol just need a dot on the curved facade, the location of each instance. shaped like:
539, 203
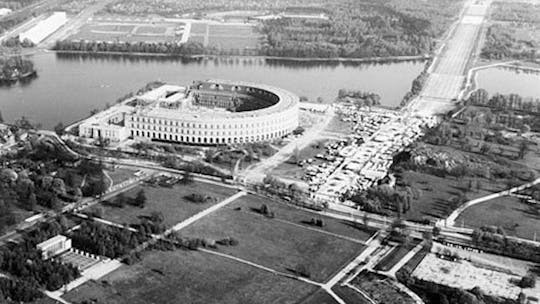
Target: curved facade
214, 112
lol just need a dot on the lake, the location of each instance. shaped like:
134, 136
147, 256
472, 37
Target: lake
507, 80
69, 86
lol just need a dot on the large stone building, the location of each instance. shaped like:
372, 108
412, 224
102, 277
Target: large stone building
208, 112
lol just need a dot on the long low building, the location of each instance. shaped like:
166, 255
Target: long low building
44, 28
211, 112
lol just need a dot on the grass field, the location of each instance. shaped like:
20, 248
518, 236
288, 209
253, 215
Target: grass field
517, 218
169, 201
191, 277
279, 243
435, 193
111, 29
225, 36
120, 175
294, 215
320, 297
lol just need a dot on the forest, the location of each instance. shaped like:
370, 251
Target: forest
504, 42
354, 29
359, 29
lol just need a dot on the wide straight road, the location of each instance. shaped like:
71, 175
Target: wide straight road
447, 76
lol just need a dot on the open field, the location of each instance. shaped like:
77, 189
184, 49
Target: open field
130, 30
436, 193
294, 215
169, 201
225, 36
190, 277
119, 175
278, 243
320, 297
516, 218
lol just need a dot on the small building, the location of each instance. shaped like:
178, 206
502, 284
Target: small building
54, 246
5, 11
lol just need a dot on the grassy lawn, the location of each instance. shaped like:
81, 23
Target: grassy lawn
516, 218
119, 175
190, 277
299, 216
435, 193
275, 243
320, 297
169, 201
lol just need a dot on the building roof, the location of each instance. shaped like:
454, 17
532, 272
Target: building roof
51, 241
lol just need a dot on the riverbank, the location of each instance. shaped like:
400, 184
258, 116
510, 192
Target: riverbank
257, 57
517, 65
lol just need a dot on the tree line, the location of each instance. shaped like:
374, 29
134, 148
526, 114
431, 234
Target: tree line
494, 240
171, 48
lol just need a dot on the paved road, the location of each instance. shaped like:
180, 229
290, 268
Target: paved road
447, 73
206, 212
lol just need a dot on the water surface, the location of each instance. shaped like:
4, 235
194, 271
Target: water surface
68, 87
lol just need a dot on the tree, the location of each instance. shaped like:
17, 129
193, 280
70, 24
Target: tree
1, 118
120, 200
187, 177
528, 281
59, 129
140, 199
31, 202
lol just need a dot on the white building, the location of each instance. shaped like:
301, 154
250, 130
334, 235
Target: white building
54, 246
44, 28
207, 113
5, 11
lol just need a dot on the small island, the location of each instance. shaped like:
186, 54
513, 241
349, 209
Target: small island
15, 68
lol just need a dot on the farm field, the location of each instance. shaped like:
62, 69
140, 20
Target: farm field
190, 277
515, 217
171, 202
275, 243
129, 30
